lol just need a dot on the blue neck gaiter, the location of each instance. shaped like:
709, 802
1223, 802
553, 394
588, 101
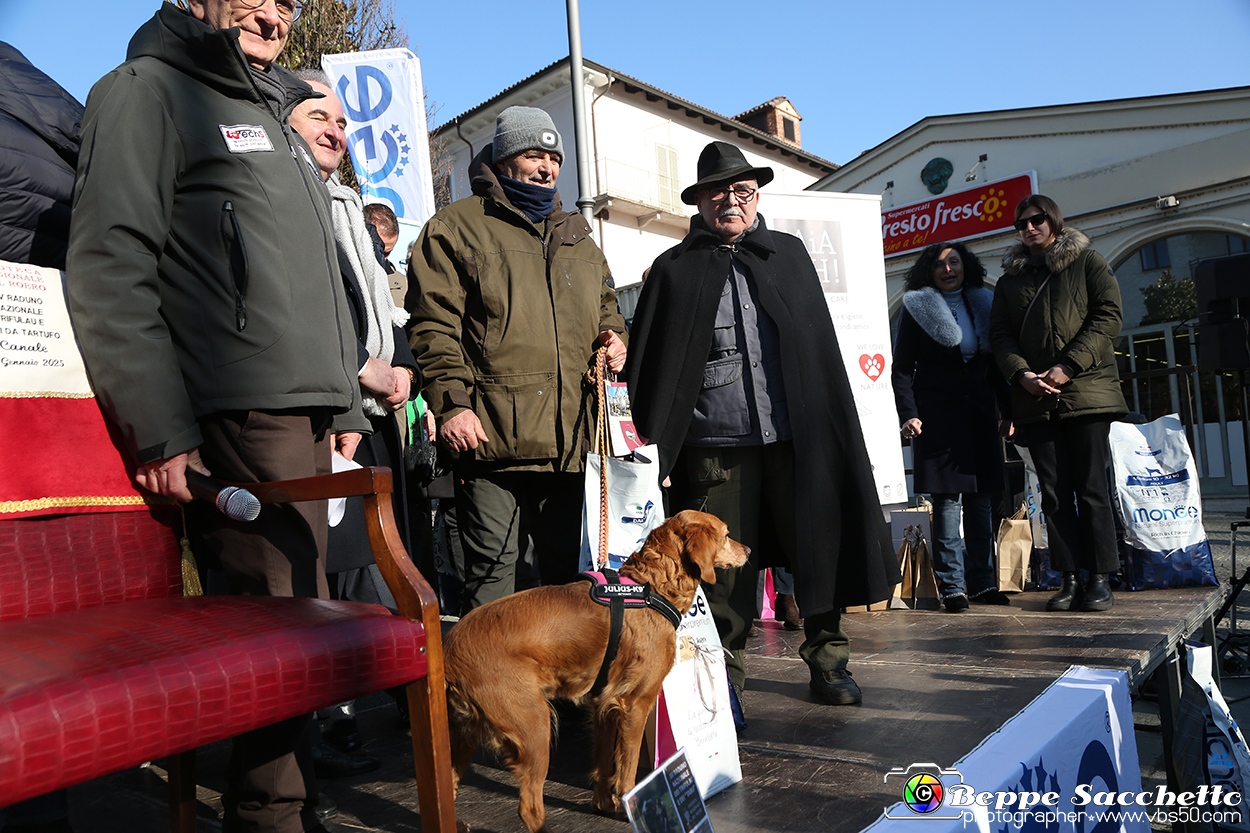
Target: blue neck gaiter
532, 200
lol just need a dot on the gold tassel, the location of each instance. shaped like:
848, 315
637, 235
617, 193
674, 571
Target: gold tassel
190, 573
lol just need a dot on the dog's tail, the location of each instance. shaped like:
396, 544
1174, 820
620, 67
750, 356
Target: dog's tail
465, 715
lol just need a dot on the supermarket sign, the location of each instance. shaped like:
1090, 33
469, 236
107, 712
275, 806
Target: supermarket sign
976, 212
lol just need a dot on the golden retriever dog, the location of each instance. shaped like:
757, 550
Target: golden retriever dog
507, 660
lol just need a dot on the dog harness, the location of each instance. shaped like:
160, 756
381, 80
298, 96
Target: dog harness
617, 592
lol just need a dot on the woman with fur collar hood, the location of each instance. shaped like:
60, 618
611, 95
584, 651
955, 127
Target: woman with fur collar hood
1055, 316
944, 388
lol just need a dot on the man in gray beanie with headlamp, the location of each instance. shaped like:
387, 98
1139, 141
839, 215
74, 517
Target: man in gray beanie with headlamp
510, 299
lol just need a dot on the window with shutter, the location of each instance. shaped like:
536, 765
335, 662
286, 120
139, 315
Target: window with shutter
666, 177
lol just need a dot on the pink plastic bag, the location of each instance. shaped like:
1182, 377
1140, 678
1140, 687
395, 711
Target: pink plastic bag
770, 596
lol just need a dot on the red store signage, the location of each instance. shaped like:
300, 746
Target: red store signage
976, 212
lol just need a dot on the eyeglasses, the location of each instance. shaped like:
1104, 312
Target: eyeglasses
1034, 220
288, 10
744, 193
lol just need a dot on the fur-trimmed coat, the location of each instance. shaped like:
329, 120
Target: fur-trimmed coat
1074, 321
958, 449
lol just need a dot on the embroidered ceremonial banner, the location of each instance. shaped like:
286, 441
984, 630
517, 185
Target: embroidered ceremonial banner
55, 451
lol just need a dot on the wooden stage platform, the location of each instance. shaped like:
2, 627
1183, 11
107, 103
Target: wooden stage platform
935, 684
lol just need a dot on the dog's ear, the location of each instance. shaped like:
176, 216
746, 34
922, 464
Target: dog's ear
702, 542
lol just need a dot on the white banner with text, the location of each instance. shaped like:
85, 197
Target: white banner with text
842, 233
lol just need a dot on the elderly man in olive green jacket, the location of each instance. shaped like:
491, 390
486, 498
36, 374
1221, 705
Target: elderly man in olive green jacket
510, 299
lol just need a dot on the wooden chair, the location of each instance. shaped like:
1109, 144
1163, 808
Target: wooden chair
105, 665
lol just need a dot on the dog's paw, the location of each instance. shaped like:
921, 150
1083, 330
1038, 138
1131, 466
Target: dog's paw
461, 827
610, 806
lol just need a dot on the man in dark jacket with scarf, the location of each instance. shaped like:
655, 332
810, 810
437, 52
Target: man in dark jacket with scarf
510, 299
204, 288
735, 373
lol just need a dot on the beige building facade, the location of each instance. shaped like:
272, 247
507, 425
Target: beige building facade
645, 144
1158, 183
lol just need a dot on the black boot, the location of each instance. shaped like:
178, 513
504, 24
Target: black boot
1097, 594
1066, 598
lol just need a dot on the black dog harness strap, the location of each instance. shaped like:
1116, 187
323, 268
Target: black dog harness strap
618, 592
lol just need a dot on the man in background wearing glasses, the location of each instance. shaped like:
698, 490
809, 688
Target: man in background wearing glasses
204, 288
734, 371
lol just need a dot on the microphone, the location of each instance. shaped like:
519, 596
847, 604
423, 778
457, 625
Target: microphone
235, 503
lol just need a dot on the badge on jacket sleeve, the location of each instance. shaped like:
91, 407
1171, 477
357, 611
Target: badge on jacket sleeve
245, 138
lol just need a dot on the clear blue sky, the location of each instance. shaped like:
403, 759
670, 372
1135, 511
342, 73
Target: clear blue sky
857, 72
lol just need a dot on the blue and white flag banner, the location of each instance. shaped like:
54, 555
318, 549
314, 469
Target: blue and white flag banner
386, 135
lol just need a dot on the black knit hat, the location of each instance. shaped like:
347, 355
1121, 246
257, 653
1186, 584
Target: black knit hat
722, 162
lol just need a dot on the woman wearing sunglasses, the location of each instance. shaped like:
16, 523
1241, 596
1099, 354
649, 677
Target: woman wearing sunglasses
944, 388
1056, 312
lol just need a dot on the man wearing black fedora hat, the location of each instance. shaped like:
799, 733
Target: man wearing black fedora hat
734, 371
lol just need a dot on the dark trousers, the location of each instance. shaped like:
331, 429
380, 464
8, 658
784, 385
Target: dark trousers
741, 486
496, 510
270, 784
1071, 457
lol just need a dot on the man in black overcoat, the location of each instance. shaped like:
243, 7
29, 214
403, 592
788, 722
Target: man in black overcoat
735, 373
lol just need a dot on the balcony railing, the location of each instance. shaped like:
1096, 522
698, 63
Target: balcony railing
645, 187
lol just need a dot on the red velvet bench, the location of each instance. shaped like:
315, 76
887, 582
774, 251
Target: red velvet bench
105, 665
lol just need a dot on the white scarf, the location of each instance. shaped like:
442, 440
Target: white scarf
355, 244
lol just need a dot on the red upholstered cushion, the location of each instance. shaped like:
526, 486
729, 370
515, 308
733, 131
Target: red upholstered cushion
66, 562
87, 693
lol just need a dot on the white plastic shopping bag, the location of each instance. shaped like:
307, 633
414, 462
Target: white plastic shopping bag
635, 506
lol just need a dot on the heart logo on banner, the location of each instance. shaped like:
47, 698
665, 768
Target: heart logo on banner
872, 365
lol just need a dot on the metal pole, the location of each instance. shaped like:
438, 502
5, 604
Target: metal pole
585, 203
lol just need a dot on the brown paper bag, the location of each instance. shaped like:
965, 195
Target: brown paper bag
919, 516
875, 606
918, 589
1014, 548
